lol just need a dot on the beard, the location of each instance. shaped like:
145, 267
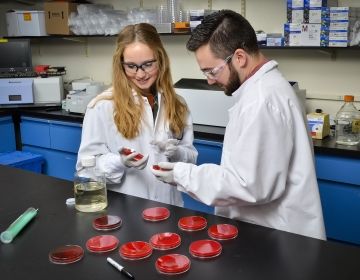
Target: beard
233, 82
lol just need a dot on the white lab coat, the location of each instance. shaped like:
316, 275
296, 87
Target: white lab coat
101, 138
267, 173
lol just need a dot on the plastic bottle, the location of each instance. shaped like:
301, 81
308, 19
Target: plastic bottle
90, 187
347, 123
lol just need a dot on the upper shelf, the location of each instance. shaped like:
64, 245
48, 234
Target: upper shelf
69, 37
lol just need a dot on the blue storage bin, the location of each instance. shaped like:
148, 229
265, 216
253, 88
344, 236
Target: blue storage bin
23, 160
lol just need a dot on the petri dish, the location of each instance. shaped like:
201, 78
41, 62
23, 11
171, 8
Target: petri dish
223, 231
107, 222
165, 241
192, 223
172, 264
205, 249
135, 250
66, 254
102, 243
156, 214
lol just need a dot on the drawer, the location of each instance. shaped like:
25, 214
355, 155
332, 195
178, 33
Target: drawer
209, 151
65, 136
57, 164
35, 132
341, 210
7, 135
338, 169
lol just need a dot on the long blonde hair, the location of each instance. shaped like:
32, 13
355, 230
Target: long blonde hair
128, 112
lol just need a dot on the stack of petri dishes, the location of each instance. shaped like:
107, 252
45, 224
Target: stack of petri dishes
165, 241
107, 222
66, 254
135, 250
102, 243
156, 214
172, 264
192, 223
205, 249
223, 231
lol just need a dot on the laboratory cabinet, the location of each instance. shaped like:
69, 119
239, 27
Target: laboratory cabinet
57, 141
339, 185
7, 134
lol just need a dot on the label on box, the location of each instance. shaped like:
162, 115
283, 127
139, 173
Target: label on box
319, 125
27, 16
295, 4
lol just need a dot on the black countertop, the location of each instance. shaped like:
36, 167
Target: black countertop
205, 132
256, 253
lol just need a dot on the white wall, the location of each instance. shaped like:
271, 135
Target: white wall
325, 75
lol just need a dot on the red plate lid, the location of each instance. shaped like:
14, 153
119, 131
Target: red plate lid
66, 254
192, 223
205, 248
223, 231
127, 151
156, 214
107, 222
165, 240
135, 250
102, 243
173, 264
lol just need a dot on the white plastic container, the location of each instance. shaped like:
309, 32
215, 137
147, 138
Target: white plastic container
25, 23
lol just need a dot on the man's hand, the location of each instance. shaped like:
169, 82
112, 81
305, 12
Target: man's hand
164, 172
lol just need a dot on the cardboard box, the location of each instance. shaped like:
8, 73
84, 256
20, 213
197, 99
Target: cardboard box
319, 125
57, 16
25, 23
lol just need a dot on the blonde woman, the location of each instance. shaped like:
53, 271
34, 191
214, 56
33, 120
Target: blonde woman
142, 113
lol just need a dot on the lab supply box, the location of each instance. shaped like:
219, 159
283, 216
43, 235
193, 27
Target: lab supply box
57, 16
25, 23
319, 124
23, 160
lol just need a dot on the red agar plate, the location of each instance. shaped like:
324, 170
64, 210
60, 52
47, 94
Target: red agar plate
205, 249
66, 254
135, 250
127, 151
172, 264
157, 167
192, 223
102, 243
223, 231
165, 240
107, 222
156, 214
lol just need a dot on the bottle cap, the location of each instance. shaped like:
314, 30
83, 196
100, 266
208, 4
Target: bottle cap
102, 243
205, 249
165, 241
107, 222
223, 231
156, 214
172, 264
88, 161
66, 254
192, 223
135, 250
348, 98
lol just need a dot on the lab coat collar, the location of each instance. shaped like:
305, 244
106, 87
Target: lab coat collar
270, 65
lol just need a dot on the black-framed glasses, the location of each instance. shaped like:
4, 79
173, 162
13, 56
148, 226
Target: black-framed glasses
214, 72
147, 66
